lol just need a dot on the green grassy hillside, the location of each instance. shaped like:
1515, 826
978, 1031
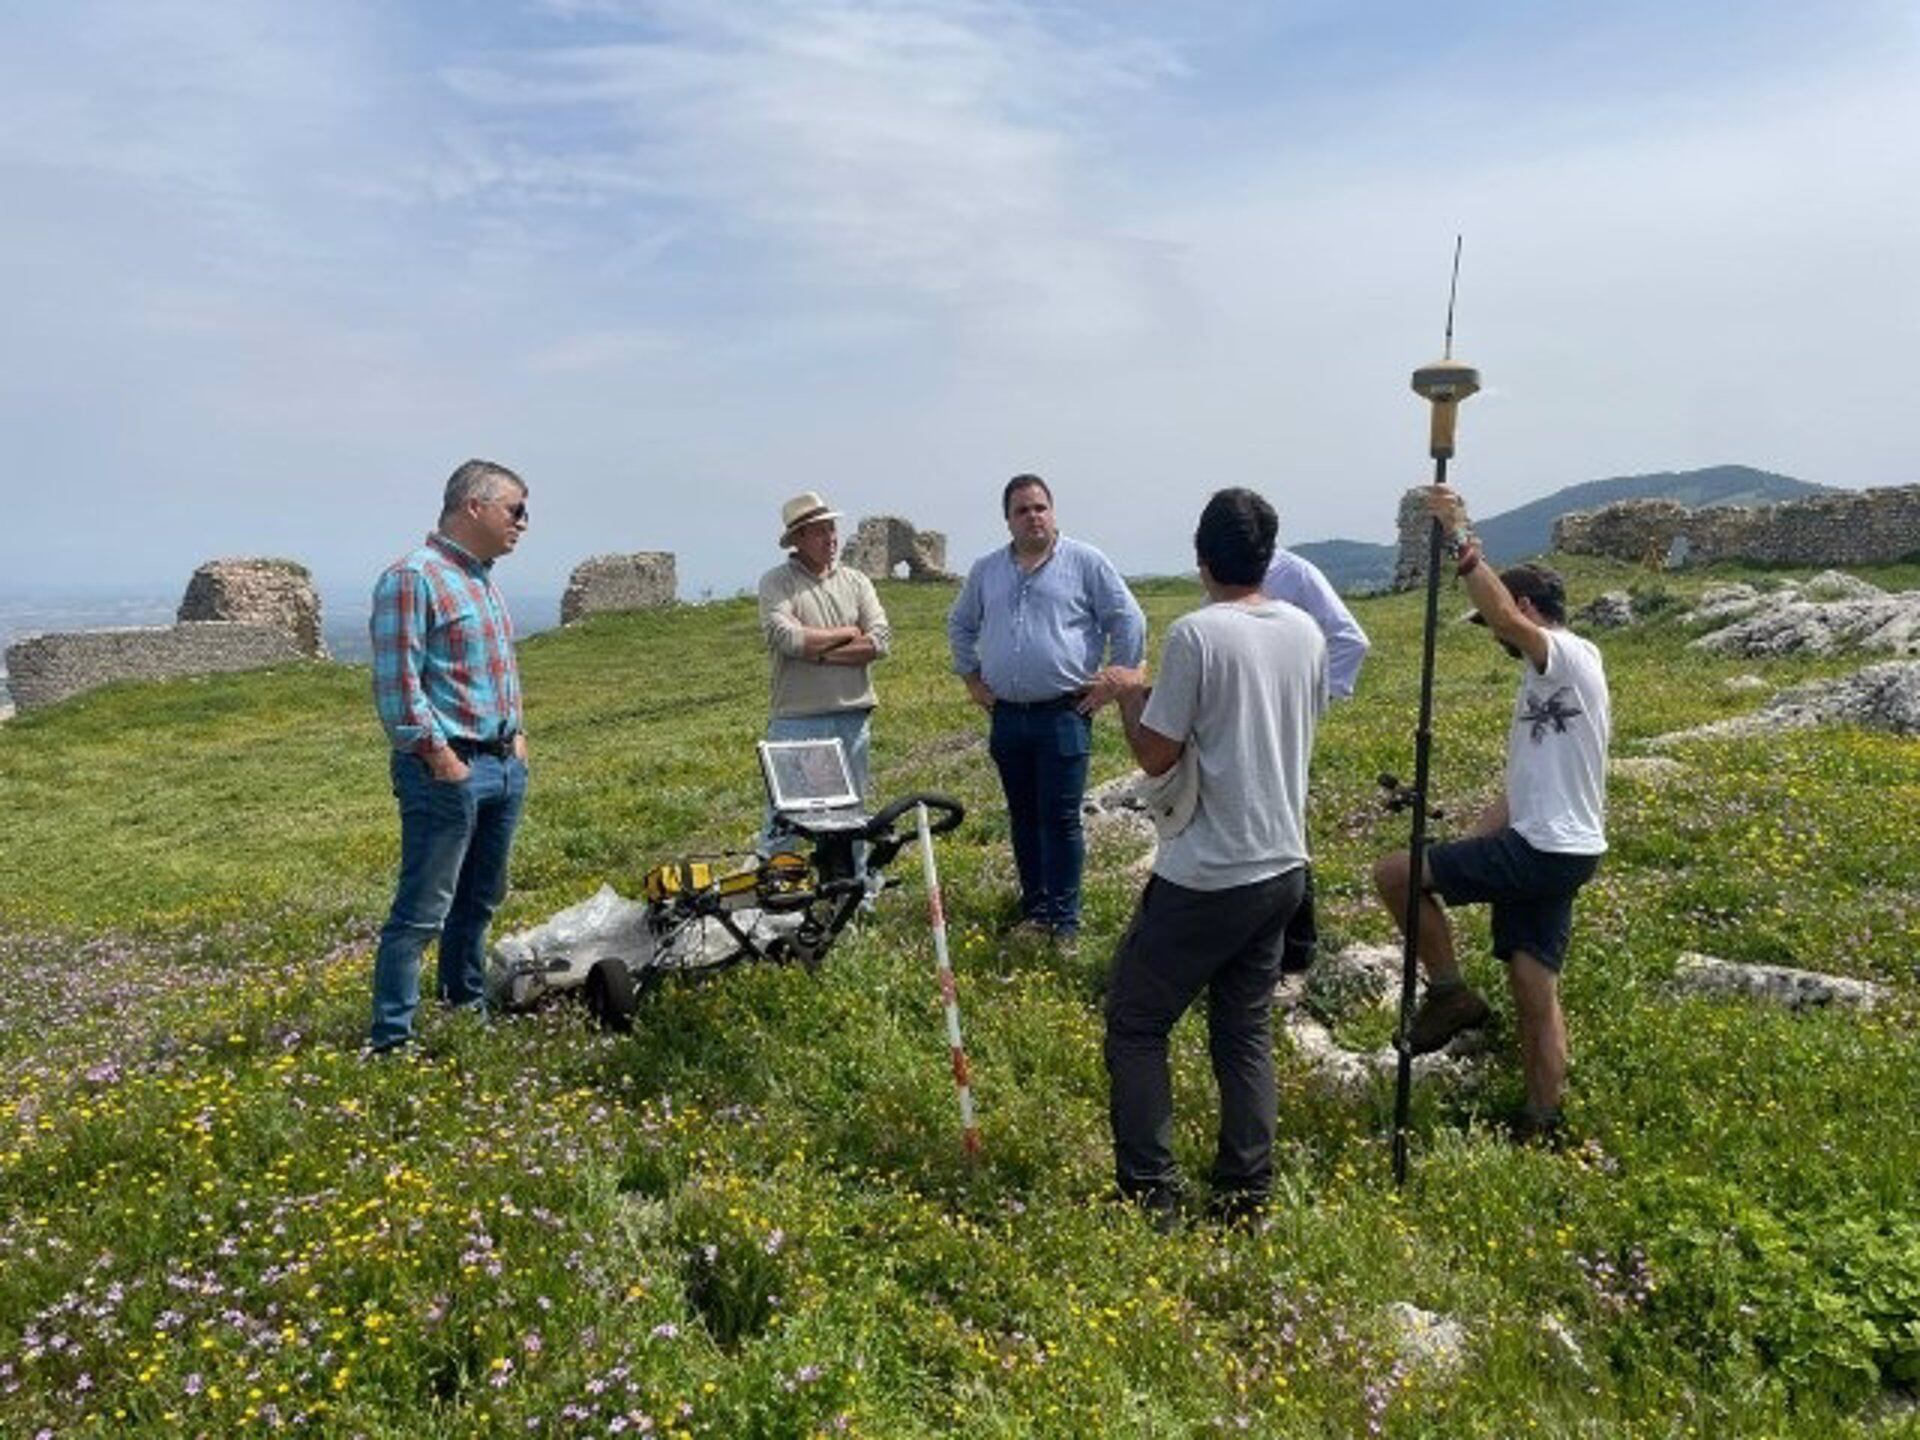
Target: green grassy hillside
752, 1216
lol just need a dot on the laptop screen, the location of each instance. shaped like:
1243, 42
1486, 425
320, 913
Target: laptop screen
807, 774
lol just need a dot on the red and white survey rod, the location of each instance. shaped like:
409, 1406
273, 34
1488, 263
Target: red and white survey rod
949, 1001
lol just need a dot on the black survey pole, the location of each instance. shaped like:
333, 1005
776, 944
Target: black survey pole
1446, 383
1417, 847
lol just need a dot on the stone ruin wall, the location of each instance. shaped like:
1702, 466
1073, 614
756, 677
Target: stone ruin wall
603, 583
884, 541
46, 669
1410, 529
261, 592
235, 615
1865, 527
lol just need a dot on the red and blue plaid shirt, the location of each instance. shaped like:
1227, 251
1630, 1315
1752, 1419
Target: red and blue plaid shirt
443, 665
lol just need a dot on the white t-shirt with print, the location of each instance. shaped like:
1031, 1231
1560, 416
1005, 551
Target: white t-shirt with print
1557, 750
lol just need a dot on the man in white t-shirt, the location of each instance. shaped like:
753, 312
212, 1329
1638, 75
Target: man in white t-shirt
1242, 683
1299, 581
1532, 849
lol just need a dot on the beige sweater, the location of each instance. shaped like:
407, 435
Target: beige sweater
793, 598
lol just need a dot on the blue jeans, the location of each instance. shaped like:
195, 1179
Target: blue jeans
849, 727
454, 843
1042, 752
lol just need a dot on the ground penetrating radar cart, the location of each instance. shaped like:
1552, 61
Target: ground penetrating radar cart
825, 861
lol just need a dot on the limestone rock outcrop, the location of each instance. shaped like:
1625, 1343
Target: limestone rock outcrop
1776, 984
1880, 697
1784, 623
1610, 611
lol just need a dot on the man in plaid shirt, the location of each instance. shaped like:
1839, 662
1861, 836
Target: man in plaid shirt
448, 692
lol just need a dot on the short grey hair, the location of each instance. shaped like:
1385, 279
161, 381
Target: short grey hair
478, 480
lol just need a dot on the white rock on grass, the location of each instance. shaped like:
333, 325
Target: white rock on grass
1117, 821
1434, 1343
1348, 1073
1358, 977
1741, 684
1720, 603
1114, 806
1838, 585
1651, 770
1776, 984
1610, 611
1563, 1340
1880, 697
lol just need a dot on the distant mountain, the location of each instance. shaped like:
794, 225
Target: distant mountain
1528, 530
1350, 564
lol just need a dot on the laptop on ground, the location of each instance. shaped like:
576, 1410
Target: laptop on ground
810, 784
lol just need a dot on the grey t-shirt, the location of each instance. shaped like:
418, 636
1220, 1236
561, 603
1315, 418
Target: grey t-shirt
1243, 687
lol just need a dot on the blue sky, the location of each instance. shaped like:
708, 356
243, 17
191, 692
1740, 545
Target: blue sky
277, 267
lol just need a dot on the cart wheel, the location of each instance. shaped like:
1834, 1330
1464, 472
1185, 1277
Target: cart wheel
611, 995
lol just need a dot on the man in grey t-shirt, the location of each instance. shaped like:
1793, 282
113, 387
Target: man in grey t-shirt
1242, 683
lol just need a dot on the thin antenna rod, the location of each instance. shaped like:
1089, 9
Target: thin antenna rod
1452, 290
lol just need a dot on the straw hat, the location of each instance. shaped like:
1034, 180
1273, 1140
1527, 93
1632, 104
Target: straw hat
802, 509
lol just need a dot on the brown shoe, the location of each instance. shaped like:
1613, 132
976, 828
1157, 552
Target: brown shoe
1537, 1127
1444, 1013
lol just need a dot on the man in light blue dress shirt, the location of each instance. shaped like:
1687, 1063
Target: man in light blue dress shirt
1035, 623
1300, 583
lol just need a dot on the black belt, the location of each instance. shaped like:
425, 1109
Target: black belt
1059, 702
466, 749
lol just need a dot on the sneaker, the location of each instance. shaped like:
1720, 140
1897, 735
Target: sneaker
406, 1047
1444, 1013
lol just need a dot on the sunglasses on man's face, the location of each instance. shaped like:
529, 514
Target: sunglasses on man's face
515, 512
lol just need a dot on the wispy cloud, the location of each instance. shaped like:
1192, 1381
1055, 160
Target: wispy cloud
941, 155
717, 252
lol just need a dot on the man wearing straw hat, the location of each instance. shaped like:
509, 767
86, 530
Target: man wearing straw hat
824, 629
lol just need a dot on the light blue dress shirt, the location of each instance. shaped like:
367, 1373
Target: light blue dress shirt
1039, 636
1299, 582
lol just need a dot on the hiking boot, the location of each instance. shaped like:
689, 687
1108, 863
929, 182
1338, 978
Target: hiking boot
1531, 1126
1161, 1204
1238, 1209
1448, 1008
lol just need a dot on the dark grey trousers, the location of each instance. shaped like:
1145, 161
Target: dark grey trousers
1180, 942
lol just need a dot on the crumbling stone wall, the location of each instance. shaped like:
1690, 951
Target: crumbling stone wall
1862, 527
884, 541
262, 592
640, 581
1412, 525
46, 669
